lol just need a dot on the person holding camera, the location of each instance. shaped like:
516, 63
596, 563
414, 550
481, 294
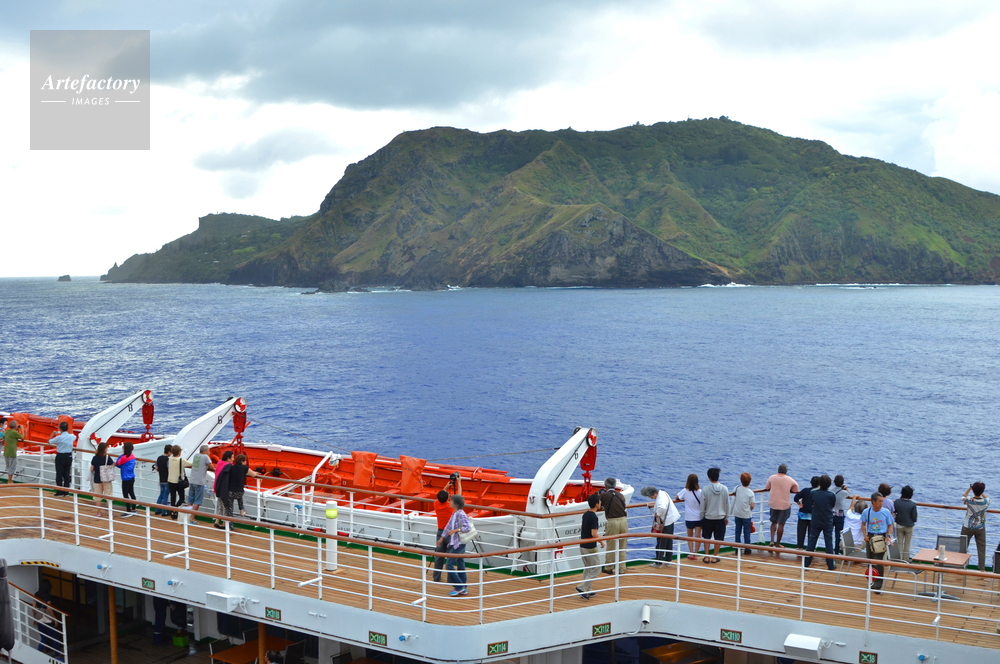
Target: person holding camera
443, 511
974, 524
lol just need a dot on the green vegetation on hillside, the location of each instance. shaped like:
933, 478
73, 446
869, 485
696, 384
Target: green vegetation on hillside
703, 201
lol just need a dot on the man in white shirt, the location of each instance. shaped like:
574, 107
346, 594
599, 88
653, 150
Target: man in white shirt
665, 515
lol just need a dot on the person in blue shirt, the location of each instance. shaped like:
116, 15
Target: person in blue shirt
126, 464
877, 524
63, 440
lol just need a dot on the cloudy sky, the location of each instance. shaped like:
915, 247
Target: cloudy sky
257, 106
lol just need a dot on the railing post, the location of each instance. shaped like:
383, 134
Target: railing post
680, 559
402, 523
319, 564
260, 502
76, 517
552, 582
802, 586
271, 531
65, 641
351, 499
331, 532
423, 588
739, 560
41, 510
149, 540
482, 571
187, 545
617, 574
370, 598
868, 602
229, 569
111, 525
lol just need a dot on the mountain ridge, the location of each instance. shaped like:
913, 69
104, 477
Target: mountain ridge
672, 204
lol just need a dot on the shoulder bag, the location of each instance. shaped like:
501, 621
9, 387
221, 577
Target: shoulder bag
106, 471
184, 483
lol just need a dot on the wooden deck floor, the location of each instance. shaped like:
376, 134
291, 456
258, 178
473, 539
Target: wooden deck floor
769, 585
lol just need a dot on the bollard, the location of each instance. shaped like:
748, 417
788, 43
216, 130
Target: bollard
331, 531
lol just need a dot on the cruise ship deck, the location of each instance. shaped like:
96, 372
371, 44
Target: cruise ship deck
353, 591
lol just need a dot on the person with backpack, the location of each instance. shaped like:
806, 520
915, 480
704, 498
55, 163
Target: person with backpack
877, 524
974, 524
163, 470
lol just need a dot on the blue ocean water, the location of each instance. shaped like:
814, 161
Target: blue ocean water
895, 384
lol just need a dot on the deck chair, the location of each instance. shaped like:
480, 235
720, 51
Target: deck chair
295, 653
956, 543
851, 550
218, 646
894, 556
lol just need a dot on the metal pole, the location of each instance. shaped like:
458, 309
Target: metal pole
680, 558
229, 569
482, 571
552, 583
351, 498
111, 524
331, 535
739, 560
113, 623
41, 510
271, 531
423, 588
76, 517
370, 598
149, 540
802, 586
187, 545
319, 564
65, 638
402, 523
868, 604
260, 508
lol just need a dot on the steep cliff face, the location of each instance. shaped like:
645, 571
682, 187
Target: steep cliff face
671, 204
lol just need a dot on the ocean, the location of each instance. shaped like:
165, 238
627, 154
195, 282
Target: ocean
891, 384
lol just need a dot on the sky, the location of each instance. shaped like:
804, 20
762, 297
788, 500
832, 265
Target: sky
258, 106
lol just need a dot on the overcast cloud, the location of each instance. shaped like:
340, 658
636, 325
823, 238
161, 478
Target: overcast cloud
259, 105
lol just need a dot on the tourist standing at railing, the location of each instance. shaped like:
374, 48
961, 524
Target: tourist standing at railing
877, 524
238, 473
974, 524
781, 487
163, 470
665, 515
906, 519
102, 475
221, 487
839, 510
691, 496
11, 437
613, 503
742, 508
714, 513
804, 500
887, 502
823, 502
200, 466
852, 521
591, 560
126, 466
457, 524
443, 511
63, 440
177, 481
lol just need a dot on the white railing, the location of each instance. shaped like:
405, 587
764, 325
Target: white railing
396, 579
38, 626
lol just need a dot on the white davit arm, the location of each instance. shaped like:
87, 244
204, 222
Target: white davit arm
551, 478
193, 436
103, 425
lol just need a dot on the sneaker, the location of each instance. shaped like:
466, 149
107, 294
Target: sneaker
582, 594
589, 595
458, 593
127, 515
605, 570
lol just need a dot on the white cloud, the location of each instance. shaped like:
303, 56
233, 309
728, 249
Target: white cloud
922, 92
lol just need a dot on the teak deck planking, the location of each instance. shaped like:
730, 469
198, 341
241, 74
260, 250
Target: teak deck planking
398, 579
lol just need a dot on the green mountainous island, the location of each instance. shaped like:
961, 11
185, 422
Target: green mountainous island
672, 204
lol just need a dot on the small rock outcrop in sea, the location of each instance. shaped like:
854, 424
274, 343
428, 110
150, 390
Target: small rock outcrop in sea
65, 277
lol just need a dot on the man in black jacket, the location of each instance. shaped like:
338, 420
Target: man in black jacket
823, 501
